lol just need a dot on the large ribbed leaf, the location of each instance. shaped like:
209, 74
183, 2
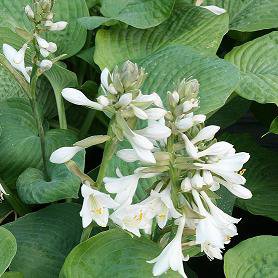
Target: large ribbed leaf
187, 26
259, 73
34, 189
69, 41
254, 257
249, 15
44, 239
261, 175
167, 67
7, 249
138, 13
112, 254
19, 140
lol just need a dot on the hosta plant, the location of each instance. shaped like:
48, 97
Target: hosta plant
120, 150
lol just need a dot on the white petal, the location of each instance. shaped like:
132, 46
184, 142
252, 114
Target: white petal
190, 148
125, 99
207, 133
128, 155
52, 47
218, 148
104, 78
64, 154
42, 42
214, 9
46, 65
139, 113
198, 119
155, 131
76, 97
155, 113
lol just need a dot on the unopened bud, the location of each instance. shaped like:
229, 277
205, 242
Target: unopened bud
29, 12
45, 65
188, 89
91, 141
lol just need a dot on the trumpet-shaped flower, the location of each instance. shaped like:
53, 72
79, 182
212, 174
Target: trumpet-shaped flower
123, 186
16, 59
76, 97
206, 134
133, 218
95, 206
171, 256
64, 154
162, 206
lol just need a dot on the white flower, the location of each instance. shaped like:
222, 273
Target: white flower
189, 121
152, 98
124, 100
29, 12
95, 206
155, 131
236, 189
207, 134
218, 149
214, 9
56, 26
171, 256
224, 220
41, 42
191, 150
197, 181
141, 145
128, 155
190, 104
64, 154
186, 185
162, 206
123, 186
228, 166
76, 97
133, 218
207, 230
16, 59
106, 84
139, 113
155, 113
2, 192
103, 100
45, 65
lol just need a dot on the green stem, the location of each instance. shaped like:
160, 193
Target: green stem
14, 201
61, 110
109, 150
87, 123
38, 119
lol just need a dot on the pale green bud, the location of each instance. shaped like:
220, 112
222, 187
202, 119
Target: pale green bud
188, 90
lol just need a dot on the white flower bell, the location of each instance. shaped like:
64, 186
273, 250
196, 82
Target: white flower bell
64, 154
95, 206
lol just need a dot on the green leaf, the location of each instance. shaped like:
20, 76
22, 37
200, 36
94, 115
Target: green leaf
12, 274
19, 141
92, 22
7, 249
112, 253
261, 175
230, 113
249, 15
5, 210
69, 41
138, 13
44, 239
226, 201
274, 126
254, 257
187, 25
167, 67
32, 187
259, 73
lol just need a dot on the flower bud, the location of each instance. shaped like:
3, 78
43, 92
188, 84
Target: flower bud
45, 65
64, 154
57, 26
103, 100
29, 12
186, 185
188, 89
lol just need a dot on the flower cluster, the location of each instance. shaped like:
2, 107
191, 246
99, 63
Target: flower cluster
42, 17
174, 148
